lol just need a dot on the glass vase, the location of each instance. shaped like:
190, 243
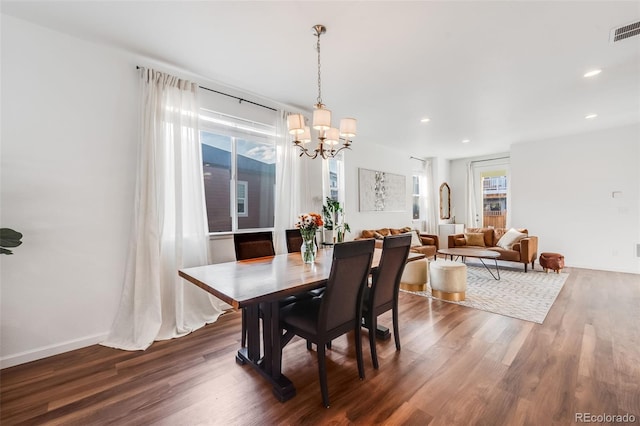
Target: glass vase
308, 249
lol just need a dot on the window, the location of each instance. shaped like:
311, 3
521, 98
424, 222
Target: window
415, 194
241, 198
239, 172
333, 183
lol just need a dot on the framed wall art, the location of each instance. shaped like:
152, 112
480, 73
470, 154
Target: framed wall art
381, 191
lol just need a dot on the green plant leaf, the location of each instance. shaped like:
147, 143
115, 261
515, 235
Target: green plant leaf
9, 238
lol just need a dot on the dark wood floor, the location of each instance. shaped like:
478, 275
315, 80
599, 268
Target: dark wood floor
458, 366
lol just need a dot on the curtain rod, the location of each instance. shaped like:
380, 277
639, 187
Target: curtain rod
419, 159
489, 159
240, 100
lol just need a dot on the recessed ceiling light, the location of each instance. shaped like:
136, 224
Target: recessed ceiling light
593, 73
466, 140
590, 116
425, 120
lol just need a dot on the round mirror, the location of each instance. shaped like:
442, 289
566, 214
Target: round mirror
445, 201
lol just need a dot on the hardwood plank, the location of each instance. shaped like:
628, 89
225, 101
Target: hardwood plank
457, 366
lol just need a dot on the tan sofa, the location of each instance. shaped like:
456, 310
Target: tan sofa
524, 251
426, 244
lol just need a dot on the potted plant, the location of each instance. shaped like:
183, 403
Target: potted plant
9, 238
334, 225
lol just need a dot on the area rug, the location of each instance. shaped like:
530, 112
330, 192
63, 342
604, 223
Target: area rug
526, 296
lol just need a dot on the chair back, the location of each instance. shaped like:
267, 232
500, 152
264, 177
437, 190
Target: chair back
386, 279
342, 299
294, 240
253, 244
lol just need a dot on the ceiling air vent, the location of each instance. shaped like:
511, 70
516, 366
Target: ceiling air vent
625, 32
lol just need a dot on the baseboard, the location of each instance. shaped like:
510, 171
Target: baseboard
47, 351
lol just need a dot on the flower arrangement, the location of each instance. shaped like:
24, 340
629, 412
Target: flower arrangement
308, 223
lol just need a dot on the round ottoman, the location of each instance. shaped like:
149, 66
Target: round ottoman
415, 275
448, 280
553, 261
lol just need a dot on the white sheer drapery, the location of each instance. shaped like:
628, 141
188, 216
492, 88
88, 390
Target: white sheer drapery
472, 209
170, 229
287, 184
432, 215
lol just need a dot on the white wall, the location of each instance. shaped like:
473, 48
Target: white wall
69, 120
562, 190
375, 157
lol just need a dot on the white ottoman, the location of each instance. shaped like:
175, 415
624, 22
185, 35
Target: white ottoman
448, 280
415, 275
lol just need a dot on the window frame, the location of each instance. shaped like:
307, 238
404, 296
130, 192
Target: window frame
245, 199
263, 134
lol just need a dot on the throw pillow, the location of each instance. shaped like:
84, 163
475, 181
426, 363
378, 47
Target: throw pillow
510, 238
415, 240
474, 239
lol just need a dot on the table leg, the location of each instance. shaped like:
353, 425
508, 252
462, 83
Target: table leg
269, 366
491, 272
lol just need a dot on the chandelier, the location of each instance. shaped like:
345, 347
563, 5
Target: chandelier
328, 137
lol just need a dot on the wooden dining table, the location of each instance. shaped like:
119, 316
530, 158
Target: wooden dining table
257, 285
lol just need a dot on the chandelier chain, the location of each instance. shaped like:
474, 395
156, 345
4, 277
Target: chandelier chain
319, 78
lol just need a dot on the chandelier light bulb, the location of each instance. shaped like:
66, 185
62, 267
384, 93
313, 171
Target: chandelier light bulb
348, 127
305, 137
321, 119
295, 124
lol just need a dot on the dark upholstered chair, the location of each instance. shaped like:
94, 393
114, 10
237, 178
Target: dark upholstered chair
294, 240
250, 246
338, 310
253, 244
385, 284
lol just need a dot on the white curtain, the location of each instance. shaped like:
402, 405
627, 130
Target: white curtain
432, 203
472, 209
170, 228
288, 179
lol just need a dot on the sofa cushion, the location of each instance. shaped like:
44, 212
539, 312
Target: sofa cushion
474, 239
428, 251
428, 241
510, 238
488, 235
460, 241
368, 233
510, 255
377, 235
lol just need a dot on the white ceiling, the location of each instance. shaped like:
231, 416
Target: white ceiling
496, 73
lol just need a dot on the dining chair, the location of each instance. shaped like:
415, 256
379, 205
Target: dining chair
338, 311
251, 245
294, 241
382, 296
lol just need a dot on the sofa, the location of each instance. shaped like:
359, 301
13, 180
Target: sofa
426, 244
514, 245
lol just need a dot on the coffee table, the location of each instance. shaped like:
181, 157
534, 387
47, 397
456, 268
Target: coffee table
477, 253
